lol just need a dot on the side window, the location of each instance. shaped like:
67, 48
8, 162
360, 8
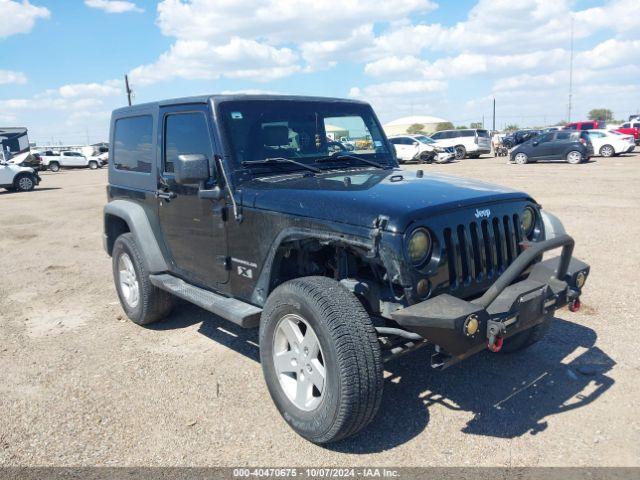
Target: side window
185, 134
563, 135
571, 127
626, 125
394, 141
586, 126
636, 125
437, 136
133, 144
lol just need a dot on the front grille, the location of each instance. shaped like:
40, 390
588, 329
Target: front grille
481, 250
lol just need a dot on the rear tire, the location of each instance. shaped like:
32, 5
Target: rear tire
574, 157
54, 166
348, 396
607, 151
525, 339
140, 299
24, 182
461, 152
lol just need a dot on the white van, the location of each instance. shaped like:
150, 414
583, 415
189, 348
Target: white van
471, 142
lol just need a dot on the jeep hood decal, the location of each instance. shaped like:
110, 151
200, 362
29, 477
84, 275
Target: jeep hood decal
359, 197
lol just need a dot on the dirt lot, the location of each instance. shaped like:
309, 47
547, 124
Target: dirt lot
81, 385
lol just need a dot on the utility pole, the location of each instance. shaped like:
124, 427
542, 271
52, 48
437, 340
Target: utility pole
126, 84
570, 74
493, 125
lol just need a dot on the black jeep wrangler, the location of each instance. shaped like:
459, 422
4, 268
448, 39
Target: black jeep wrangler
238, 204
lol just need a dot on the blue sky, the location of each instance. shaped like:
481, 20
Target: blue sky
62, 62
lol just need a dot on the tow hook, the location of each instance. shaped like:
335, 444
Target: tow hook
495, 330
496, 345
574, 305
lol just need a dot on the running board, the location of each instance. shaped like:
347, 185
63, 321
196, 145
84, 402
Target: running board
236, 311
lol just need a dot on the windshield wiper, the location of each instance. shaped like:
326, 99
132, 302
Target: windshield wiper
279, 160
342, 156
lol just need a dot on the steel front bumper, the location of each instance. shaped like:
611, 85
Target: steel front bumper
461, 328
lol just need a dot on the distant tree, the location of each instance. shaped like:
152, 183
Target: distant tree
444, 126
475, 125
601, 114
461, 127
415, 128
511, 127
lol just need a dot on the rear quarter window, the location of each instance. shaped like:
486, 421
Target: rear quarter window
466, 133
483, 133
133, 144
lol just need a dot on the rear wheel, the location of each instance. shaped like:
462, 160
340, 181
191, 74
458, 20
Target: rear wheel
607, 151
521, 158
320, 358
140, 299
24, 182
461, 152
526, 338
54, 166
574, 157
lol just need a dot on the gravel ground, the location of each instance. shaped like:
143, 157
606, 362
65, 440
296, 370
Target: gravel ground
81, 385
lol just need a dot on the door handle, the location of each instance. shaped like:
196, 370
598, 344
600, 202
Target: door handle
168, 196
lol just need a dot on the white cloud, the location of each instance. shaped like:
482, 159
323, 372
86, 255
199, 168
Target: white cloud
113, 6
239, 58
19, 17
399, 88
8, 76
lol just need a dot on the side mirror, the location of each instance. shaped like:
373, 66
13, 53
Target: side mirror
191, 169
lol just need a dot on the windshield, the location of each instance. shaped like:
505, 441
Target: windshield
303, 131
424, 139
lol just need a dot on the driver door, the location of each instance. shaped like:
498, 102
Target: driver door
193, 229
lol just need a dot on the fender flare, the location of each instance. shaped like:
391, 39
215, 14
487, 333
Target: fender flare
136, 219
553, 227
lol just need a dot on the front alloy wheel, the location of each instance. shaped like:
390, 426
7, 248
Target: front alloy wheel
521, 158
297, 356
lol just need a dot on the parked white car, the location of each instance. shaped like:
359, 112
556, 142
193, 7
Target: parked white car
420, 148
471, 142
16, 178
54, 161
608, 143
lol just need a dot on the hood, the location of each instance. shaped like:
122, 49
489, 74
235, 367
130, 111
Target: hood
359, 197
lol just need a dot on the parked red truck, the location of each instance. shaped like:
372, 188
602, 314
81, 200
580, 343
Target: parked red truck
631, 128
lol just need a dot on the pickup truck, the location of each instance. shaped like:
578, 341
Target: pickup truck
54, 161
631, 128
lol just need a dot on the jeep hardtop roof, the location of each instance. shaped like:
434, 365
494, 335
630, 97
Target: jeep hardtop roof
219, 98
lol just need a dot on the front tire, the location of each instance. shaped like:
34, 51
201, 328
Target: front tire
140, 299
93, 165
521, 158
607, 151
332, 389
461, 152
54, 166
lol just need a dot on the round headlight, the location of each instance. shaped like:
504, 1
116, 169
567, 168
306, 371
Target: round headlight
419, 246
528, 221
